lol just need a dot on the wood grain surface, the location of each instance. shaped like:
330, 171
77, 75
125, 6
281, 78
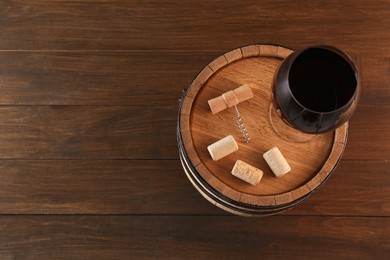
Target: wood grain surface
108, 237
89, 163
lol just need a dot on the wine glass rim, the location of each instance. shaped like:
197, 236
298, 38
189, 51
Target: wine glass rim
341, 54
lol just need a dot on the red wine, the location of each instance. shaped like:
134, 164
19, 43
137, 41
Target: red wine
315, 88
321, 80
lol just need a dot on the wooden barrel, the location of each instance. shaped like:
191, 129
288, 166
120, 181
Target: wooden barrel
312, 160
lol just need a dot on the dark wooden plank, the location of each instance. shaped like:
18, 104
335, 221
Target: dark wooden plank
356, 187
375, 76
131, 78
140, 132
87, 132
97, 78
161, 187
369, 133
98, 187
114, 25
208, 237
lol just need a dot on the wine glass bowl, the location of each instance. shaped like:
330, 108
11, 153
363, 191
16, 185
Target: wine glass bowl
316, 89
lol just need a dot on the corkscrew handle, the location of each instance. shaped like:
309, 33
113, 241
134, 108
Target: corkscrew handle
230, 98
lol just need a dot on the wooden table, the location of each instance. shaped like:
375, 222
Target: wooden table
89, 163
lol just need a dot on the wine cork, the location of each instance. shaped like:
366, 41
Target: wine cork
276, 162
230, 98
222, 148
247, 172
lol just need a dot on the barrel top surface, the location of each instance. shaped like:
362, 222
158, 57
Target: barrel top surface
311, 162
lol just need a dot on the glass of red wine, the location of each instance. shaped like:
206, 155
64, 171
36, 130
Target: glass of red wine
315, 90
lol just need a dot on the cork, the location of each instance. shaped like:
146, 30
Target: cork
222, 148
230, 98
276, 162
247, 172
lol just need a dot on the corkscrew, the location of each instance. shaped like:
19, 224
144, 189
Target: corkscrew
232, 98
242, 126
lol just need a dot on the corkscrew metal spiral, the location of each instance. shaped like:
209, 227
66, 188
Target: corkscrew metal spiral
242, 126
